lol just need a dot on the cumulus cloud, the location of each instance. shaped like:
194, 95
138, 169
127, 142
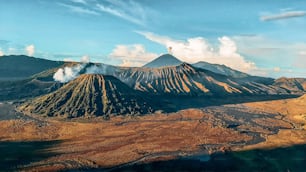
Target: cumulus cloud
199, 49
132, 55
85, 59
277, 69
30, 49
283, 15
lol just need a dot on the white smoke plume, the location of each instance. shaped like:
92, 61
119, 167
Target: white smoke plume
95, 70
103, 69
67, 74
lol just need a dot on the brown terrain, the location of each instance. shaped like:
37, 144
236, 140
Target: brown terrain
120, 141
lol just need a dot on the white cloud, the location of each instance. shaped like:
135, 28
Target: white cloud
85, 59
68, 60
30, 49
227, 47
129, 63
283, 15
127, 10
79, 10
277, 69
302, 53
1, 53
132, 55
198, 49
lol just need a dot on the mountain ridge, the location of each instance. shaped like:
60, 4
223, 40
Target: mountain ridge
221, 69
22, 66
188, 80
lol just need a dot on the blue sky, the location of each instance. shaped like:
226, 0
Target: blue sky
259, 37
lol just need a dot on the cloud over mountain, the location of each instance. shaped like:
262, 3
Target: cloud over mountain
132, 55
30, 49
199, 49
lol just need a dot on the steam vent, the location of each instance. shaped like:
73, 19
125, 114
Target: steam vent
90, 95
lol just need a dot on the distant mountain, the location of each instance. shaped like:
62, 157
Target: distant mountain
163, 61
91, 95
27, 88
15, 67
220, 69
188, 80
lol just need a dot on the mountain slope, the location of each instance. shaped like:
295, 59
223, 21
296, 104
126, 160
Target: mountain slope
220, 69
188, 80
21, 66
292, 85
90, 95
19, 89
163, 61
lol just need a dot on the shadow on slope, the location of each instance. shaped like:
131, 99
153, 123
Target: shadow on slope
174, 104
277, 159
16, 154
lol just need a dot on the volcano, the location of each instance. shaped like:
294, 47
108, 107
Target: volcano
90, 95
163, 61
